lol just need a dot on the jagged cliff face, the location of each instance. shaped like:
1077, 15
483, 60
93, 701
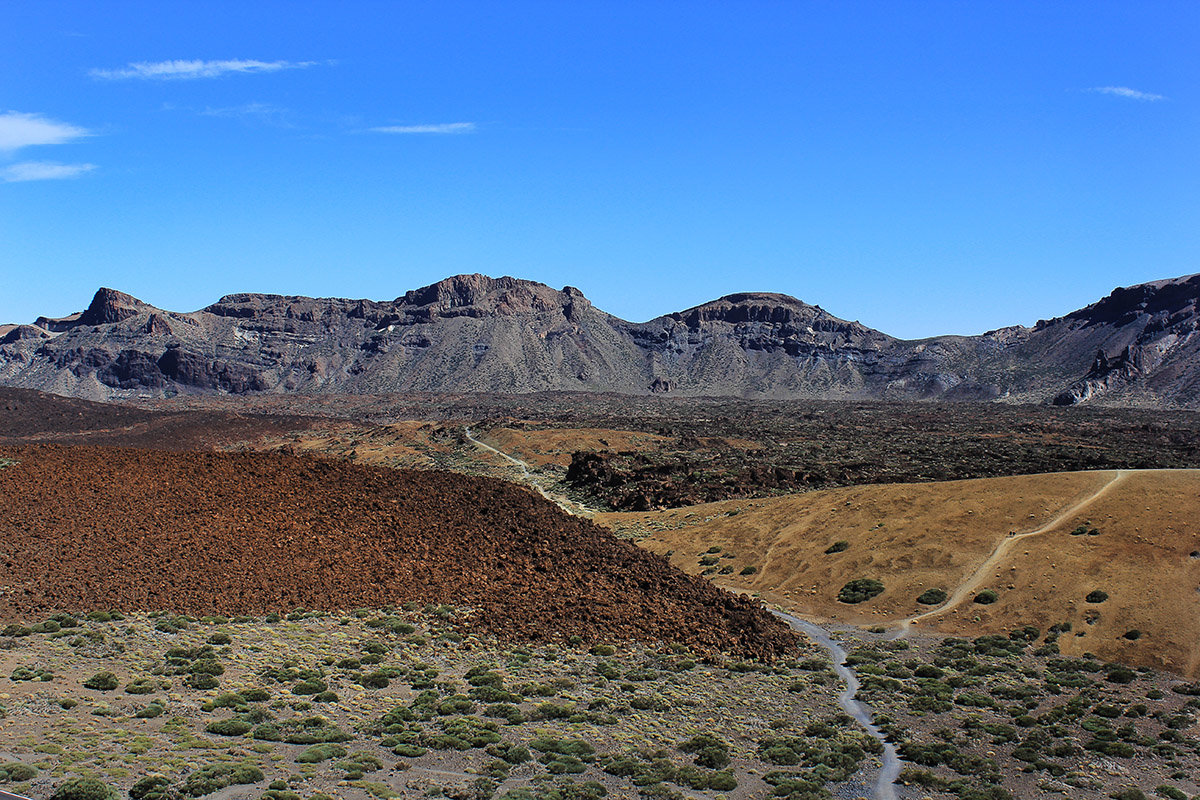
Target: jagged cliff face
473, 333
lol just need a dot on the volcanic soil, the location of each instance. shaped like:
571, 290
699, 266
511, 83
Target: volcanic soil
28, 416
87, 528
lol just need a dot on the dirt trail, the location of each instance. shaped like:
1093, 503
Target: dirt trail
569, 506
889, 772
980, 575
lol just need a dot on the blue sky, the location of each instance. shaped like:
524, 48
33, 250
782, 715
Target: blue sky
924, 167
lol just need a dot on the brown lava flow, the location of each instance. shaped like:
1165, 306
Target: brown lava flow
86, 528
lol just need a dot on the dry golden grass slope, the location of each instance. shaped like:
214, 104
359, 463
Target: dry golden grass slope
959, 535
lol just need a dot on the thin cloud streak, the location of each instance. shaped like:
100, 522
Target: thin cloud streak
43, 171
445, 127
262, 113
1127, 93
191, 69
19, 130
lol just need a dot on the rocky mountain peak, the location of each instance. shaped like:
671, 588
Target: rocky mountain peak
480, 293
110, 306
1169, 300
768, 308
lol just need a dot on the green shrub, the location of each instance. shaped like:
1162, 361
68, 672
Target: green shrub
151, 711
280, 794
16, 771
750, 570
229, 727
310, 686
320, 752
409, 750
1096, 596
358, 764
141, 686
505, 711
151, 787
1170, 792
375, 680
220, 637
84, 789
202, 681
932, 597
987, 597
1130, 793
1132, 635
309, 730
1119, 674
510, 752
710, 750
859, 590
207, 665
102, 681
837, 547
607, 670
207, 780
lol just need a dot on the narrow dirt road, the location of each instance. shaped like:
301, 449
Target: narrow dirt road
569, 506
981, 574
889, 772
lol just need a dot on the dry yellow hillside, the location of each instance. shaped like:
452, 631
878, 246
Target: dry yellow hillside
1011, 535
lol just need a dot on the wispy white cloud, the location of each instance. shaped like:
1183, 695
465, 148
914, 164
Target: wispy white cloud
444, 127
188, 69
253, 112
1127, 93
19, 130
42, 171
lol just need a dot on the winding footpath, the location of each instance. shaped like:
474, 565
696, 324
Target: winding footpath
980, 575
577, 509
885, 782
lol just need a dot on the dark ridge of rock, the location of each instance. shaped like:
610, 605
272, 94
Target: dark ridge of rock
1169, 302
24, 332
110, 306
473, 333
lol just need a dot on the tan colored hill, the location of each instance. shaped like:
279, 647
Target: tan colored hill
1014, 536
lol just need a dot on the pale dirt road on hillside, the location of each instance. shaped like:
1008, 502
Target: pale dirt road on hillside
981, 574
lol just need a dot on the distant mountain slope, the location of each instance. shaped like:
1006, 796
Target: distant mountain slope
473, 333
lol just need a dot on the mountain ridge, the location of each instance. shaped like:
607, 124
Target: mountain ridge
473, 333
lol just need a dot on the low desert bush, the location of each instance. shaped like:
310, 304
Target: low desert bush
859, 590
932, 597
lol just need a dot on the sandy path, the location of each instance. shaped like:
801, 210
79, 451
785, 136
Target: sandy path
982, 573
569, 506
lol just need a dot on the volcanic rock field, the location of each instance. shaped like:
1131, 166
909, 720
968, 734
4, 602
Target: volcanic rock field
232, 533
